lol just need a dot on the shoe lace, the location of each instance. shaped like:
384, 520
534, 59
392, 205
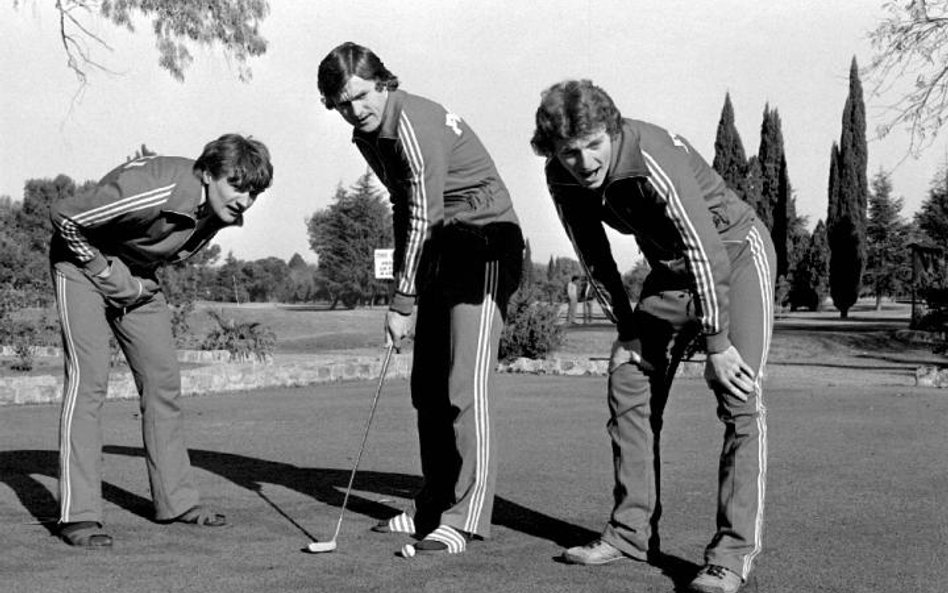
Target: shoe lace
594, 544
718, 572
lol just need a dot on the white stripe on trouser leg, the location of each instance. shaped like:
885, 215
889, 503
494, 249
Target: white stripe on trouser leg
481, 416
450, 537
70, 393
762, 268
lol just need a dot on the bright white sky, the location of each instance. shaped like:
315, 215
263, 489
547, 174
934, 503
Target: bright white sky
666, 61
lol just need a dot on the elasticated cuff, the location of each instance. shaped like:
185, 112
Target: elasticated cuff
95, 265
402, 303
718, 342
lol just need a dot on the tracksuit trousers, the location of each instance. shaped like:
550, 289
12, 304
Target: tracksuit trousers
144, 334
667, 322
460, 316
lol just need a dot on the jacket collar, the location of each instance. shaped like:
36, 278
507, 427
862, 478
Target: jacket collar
627, 160
388, 129
190, 200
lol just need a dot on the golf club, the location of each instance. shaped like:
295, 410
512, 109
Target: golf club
320, 547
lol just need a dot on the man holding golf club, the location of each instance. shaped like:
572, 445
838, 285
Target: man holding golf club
712, 275
458, 250
107, 245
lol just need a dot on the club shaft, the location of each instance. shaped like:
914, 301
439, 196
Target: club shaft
365, 436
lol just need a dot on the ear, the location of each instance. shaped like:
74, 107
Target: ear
206, 177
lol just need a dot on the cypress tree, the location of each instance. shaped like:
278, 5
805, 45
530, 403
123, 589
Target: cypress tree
769, 155
526, 274
730, 161
782, 215
848, 200
753, 184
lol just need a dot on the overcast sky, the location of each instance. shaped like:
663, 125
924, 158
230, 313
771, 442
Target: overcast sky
667, 61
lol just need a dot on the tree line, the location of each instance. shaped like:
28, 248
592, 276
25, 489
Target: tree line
863, 247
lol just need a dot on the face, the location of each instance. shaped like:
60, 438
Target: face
587, 158
227, 203
361, 104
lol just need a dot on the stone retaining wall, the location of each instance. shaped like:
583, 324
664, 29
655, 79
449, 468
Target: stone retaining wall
229, 376
183, 355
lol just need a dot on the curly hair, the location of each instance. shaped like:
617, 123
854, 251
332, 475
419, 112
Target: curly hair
573, 109
244, 161
345, 61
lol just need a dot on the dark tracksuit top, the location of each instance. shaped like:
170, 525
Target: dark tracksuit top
437, 172
145, 213
680, 212
688, 225
448, 201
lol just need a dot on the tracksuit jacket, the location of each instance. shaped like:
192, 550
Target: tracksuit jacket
680, 211
447, 179
140, 216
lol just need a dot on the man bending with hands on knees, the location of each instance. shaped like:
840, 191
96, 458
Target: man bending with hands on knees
107, 246
712, 276
458, 250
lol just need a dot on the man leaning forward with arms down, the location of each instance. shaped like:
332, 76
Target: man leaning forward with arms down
458, 250
712, 276
106, 248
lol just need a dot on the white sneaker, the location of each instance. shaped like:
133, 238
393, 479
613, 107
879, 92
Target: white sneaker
716, 579
593, 553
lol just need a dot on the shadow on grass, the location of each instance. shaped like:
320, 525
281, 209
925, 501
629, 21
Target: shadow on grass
17, 469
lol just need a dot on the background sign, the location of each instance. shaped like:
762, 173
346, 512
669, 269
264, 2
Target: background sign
384, 264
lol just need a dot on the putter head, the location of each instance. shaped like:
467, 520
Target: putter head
321, 547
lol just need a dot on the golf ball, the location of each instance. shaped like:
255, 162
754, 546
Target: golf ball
408, 551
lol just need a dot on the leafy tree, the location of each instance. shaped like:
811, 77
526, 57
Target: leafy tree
559, 272
730, 161
345, 236
887, 256
810, 282
634, 279
912, 42
178, 25
24, 259
848, 201
303, 278
932, 216
183, 284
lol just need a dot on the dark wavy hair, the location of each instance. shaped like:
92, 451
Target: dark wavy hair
348, 60
244, 161
573, 109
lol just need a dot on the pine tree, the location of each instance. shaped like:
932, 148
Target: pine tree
848, 201
730, 161
887, 261
811, 278
345, 235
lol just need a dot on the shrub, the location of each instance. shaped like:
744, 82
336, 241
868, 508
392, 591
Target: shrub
245, 340
531, 330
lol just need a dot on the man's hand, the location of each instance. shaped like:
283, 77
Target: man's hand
397, 328
728, 370
628, 351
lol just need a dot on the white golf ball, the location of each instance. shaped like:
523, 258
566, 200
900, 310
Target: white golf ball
408, 551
